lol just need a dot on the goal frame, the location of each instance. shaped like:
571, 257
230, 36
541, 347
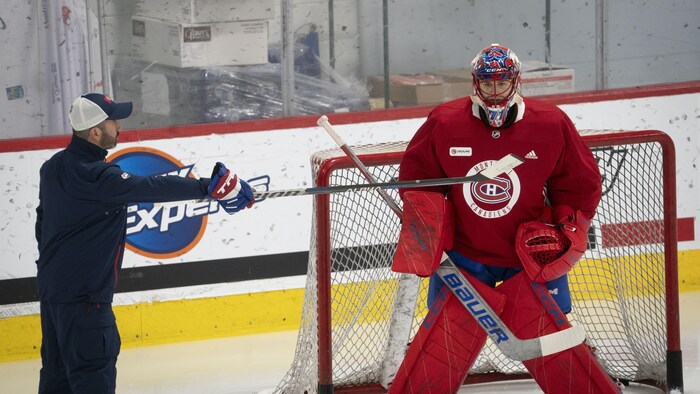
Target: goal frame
594, 140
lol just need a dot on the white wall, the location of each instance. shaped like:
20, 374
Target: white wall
646, 41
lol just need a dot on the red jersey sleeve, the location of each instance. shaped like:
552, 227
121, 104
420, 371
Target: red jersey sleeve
576, 179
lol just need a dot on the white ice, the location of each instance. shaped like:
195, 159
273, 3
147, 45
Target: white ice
255, 363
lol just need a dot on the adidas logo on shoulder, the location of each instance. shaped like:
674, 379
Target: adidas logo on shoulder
531, 155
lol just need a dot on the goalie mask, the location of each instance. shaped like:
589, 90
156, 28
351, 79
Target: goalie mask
495, 83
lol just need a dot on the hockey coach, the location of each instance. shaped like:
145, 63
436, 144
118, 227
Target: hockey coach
81, 231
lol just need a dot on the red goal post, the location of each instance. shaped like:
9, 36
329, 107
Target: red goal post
358, 315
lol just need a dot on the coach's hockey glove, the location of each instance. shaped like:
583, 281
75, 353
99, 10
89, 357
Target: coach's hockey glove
234, 194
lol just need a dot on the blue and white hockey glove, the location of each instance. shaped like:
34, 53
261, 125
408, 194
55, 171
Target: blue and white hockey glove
234, 194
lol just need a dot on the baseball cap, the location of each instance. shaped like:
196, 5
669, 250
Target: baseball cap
90, 109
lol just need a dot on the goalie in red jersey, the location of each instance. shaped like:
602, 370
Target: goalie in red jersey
525, 228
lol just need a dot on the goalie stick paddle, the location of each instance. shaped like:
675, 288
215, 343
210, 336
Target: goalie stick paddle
512, 346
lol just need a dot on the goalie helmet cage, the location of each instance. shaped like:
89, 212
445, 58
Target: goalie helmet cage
356, 322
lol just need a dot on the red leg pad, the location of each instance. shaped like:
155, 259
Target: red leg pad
531, 311
445, 346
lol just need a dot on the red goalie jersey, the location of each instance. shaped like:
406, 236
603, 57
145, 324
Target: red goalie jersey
558, 168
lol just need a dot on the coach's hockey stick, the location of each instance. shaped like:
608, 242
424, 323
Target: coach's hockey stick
512, 346
505, 164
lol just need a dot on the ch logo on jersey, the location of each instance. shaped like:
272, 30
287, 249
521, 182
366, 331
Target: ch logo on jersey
493, 191
493, 198
161, 231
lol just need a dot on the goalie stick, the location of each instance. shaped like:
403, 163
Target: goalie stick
512, 346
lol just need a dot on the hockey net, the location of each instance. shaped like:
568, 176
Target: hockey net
358, 315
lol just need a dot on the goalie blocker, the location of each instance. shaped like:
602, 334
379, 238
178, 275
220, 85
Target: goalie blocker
450, 338
427, 229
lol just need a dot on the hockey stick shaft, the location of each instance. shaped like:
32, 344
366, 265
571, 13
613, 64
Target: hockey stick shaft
507, 163
323, 122
512, 346
379, 185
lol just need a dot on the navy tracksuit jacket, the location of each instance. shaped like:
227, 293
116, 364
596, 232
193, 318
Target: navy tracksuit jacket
81, 220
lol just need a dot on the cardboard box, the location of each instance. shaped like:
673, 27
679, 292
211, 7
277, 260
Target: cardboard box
456, 75
539, 79
460, 79
417, 89
420, 89
199, 45
204, 11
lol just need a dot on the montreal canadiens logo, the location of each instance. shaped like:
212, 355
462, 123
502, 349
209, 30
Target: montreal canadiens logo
492, 198
163, 230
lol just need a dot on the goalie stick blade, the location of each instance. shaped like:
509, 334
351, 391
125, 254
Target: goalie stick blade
503, 165
562, 340
546, 345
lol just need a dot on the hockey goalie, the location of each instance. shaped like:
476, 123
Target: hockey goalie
514, 237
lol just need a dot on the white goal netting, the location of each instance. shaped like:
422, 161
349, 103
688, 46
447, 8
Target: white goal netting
358, 315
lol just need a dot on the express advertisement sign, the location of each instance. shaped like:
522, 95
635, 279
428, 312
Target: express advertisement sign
162, 230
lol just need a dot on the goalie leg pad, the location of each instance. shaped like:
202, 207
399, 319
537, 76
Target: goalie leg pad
530, 312
445, 346
559, 290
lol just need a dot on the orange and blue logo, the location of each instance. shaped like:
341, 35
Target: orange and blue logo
161, 230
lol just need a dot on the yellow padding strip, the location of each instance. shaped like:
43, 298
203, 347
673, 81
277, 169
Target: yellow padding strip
203, 318
611, 278
689, 270
173, 321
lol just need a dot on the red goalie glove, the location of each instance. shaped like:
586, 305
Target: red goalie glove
550, 248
